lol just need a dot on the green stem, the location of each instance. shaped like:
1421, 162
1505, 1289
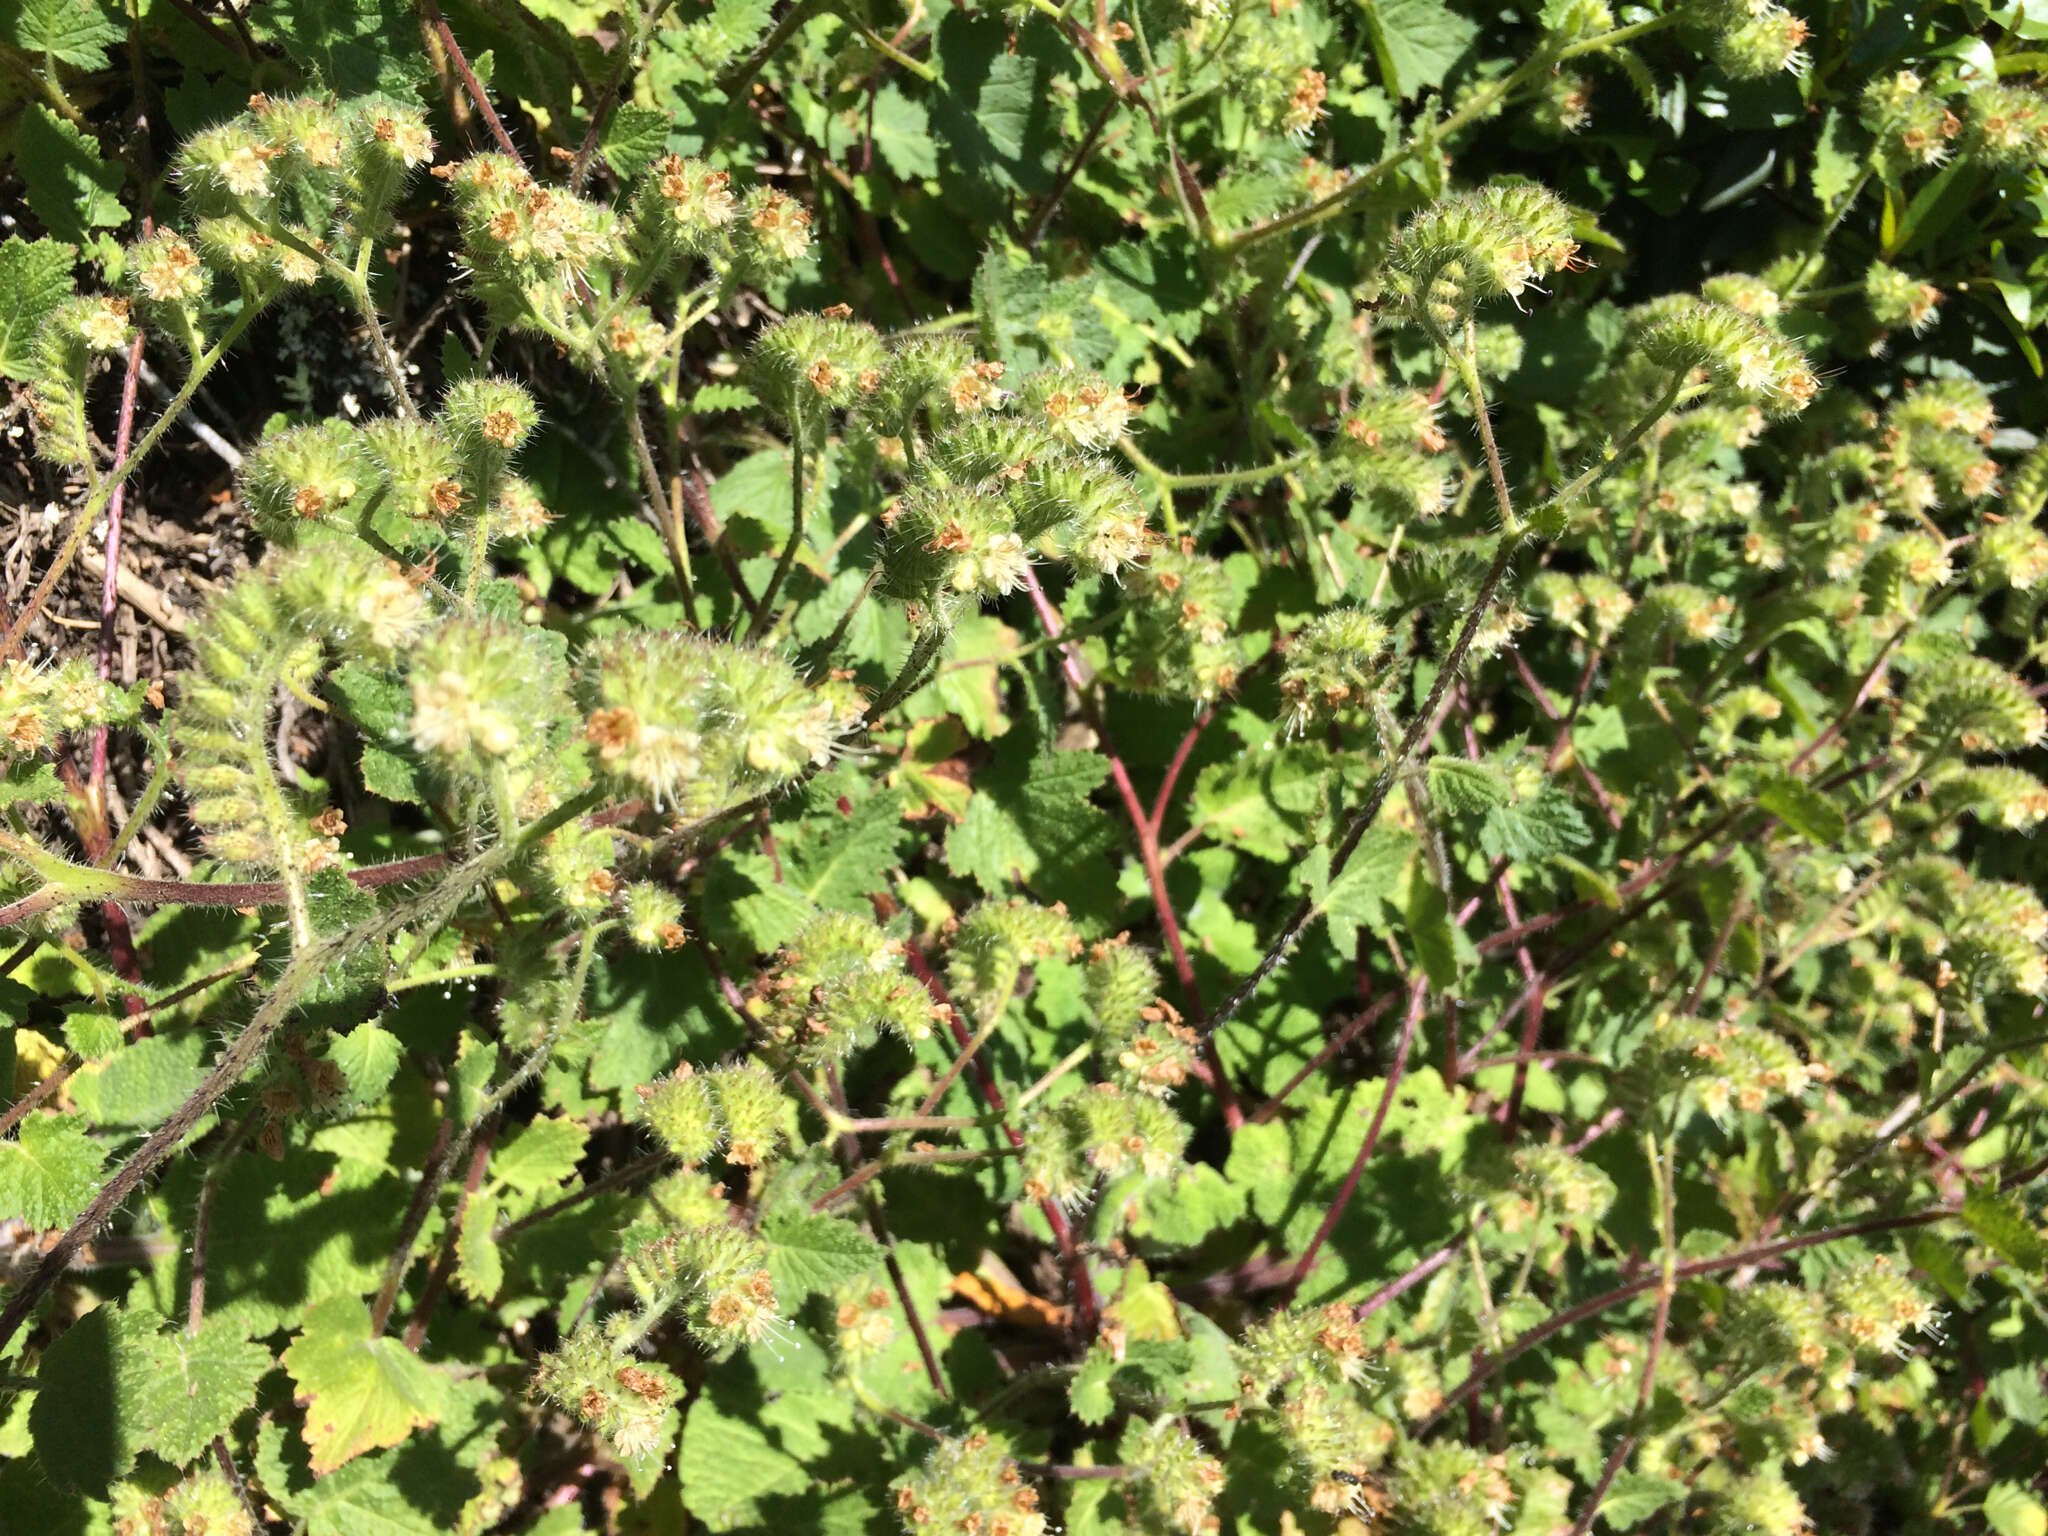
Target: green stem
305, 968
922, 650
1168, 480
764, 613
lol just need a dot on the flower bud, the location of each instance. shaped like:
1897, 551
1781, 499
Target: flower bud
1179, 637
949, 548
687, 202
418, 467
1494, 241
1743, 361
1758, 39
478, 690
775, 233
303, 475
835, 986
1334, 663
205, 1503
810, 364
2010, 554
1180, 1481
864, 1321
969, 1485
735, 1302
622, 1397
2006, 126
1084, 409
1897, 300
486, 422
1976, 701
1447, 1489
1761, 1504
226, 165
653, 916
996, 940
683, 1110
166, 270
754, 1109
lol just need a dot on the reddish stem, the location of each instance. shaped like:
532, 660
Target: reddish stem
124, 431
470, 82
1417, 994
1321, 1059
1393, 1290
1487, 1364
444, 1265
1146, 827
1086, 1310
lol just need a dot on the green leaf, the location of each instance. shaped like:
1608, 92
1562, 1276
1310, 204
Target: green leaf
2004, 1229
811, 1253
92, 1035
1233, 803
843, 857
1804, 809
2010, 1510
1460, 786
540, 1156
29, 782
1428, 917
189, 1390
1416, 42
1183, 1213
35, 277
727, 1464
479, 1266
142, 1085
1544, 824
635, 138
368, 1057
366, 45
49, 1172
1636, 1496
1364, 892
74, 32
903, 134
72, 190
1029, 814
721, 397
84, 1420
361, 1393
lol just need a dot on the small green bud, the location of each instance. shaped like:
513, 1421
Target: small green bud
653, 916
755, 1111
775, 232
1084, 409
969, 1484
2006, 126
809, 364
838, 984
683, 1110
1761, 1504
1494, 241
1758, 39
1897, 300
478, 690
1334, 663
1180, 1481
418, 467
307, 474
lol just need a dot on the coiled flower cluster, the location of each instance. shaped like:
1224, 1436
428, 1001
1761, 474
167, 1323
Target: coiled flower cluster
969, 1485
836, 986
1496, 241
697, 724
